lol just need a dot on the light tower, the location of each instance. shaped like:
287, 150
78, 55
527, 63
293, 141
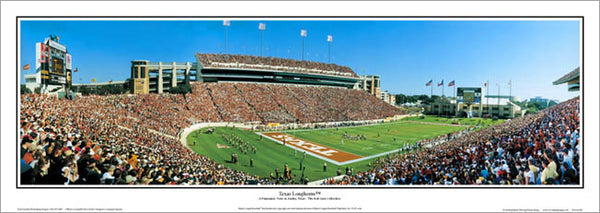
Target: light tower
226, 24
329, 40
303, 34
261, 27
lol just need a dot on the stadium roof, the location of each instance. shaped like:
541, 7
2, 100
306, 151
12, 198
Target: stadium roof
568, 77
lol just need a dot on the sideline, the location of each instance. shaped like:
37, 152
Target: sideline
186, 131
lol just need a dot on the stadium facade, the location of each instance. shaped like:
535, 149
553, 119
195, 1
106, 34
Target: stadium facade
472, 102
160, 77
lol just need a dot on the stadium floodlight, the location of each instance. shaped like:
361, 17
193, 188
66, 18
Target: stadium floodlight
261, 27
329, 40
303, 34
226, 24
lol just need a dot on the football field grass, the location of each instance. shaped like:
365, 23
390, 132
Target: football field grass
271, 155
461, 121
379, 138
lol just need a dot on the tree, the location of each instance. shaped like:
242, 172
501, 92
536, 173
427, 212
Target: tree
423, 98
128, 85
37, 90
401, 99
24, 89
181, 89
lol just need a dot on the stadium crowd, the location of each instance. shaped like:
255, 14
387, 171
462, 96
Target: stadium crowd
78, 142
543, 148
131, 139
282, 64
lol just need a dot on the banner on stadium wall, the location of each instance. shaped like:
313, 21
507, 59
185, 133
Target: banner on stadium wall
58, 46
273, 124
388, 119
38, 55
68, 65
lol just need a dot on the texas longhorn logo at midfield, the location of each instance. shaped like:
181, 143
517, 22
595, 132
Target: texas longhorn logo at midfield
305, 145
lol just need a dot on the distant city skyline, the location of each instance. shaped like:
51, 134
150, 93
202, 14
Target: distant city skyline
405, 53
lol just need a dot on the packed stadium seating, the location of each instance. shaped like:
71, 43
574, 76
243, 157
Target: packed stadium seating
542, 148
132, 139
271, 63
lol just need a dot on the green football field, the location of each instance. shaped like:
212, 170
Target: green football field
461, 121
380, 138
271, 155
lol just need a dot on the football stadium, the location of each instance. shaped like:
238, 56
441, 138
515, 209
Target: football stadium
254, 120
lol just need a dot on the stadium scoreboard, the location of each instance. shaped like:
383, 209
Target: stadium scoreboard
468, 95
53, 61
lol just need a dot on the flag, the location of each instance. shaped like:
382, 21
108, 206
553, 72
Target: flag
429, 83
93, 80
303, 33
509, 82
26, 67
451, 84
485, 84
75, 69
110, 81
441, 83
43, 53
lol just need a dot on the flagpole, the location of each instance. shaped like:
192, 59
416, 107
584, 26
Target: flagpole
510, 90
431, 95
455, 100
498, 97
454, 90
487, 98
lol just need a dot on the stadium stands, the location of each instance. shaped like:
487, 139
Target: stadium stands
271, 63
543, 148
131, 139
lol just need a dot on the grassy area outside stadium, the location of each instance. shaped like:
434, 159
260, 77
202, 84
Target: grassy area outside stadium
269, 155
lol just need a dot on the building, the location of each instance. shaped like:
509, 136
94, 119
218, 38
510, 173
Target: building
572, 80
33, 81
159, 77
505, 109
369, 83
95, 86
388, 98
495, 97
472, 102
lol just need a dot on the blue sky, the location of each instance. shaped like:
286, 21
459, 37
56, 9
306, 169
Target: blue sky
406, 54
